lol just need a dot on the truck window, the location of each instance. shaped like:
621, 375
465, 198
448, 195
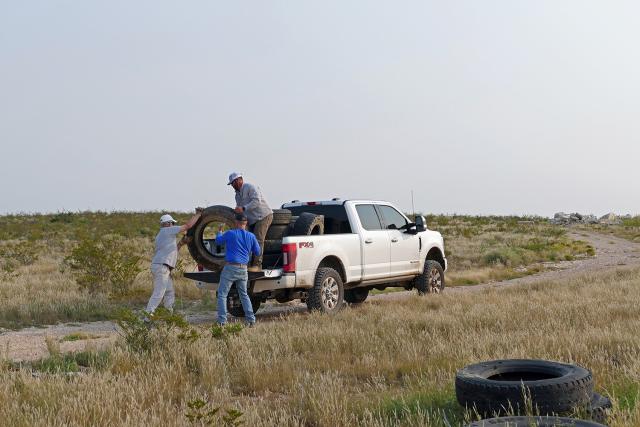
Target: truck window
391, 217
335, 217
368, 217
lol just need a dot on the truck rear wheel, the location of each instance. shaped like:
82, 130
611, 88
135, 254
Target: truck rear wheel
327, 294
236, 310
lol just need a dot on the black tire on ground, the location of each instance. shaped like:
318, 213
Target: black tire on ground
495, 386
273, 246
308, 224
281, 217
212, 214
533, 421
432, 278
327, 294
356, 296
277, 232
599, 408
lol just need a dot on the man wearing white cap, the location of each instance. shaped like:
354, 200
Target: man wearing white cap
251, 202
165, 259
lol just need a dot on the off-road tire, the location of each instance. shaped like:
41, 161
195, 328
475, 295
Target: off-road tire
212, 214
494, 387
273, 246
431, 280
327, 294
281, 217
356, 295
277, 232
308, 224
534, 421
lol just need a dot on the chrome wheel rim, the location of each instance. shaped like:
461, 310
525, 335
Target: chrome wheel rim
435, 281
329, 293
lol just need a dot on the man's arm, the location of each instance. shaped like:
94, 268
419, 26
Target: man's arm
220, 236
192, 221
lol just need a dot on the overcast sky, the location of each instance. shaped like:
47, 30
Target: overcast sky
505, 107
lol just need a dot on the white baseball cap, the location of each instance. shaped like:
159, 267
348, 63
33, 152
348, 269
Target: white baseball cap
167, 218
233, 177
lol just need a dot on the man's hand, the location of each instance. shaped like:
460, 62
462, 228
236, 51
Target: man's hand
239, 209
199, 210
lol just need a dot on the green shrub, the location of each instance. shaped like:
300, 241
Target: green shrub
108, 264
16, 254
201, 412
143, 333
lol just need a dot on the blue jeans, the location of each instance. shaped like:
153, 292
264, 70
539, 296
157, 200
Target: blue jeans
233, 274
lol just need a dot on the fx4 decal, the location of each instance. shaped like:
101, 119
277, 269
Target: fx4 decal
305, 245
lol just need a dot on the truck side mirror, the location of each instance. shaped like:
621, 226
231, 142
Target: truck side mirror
421, 223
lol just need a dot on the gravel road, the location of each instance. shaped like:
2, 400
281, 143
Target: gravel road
30, 344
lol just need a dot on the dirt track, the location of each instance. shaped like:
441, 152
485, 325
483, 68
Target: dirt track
30, 343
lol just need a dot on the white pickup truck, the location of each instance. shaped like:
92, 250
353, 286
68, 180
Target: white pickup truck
366, 244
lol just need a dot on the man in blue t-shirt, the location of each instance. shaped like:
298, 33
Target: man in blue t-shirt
239, 246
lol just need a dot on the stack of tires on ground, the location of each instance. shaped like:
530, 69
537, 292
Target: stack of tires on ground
514, 386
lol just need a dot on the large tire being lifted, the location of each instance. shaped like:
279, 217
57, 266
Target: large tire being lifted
327, 293
431, 280
281, 217
308, 224
496, 386
212, 214
356, 295
534, 422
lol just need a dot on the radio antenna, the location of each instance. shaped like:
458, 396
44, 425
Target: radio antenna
413, 208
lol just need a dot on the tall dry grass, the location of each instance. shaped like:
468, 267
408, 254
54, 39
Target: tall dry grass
384, 363
46, 292
479, 249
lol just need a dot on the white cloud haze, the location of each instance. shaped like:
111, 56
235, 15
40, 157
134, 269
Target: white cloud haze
479, 107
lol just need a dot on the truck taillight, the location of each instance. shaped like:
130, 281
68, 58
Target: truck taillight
289, 255
200, 267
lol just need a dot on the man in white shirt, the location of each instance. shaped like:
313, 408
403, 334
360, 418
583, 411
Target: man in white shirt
165, 259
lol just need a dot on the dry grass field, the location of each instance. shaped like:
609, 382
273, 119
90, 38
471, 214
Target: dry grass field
384, 363
37, 287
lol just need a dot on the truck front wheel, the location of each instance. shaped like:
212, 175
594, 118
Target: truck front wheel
432, 278
327, 294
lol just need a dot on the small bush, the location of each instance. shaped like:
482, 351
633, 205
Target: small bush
221, 332
108, 264
201, 412
142, 334
21, 253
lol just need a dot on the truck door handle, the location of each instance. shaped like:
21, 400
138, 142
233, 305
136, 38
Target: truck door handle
368, 241
394, 240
